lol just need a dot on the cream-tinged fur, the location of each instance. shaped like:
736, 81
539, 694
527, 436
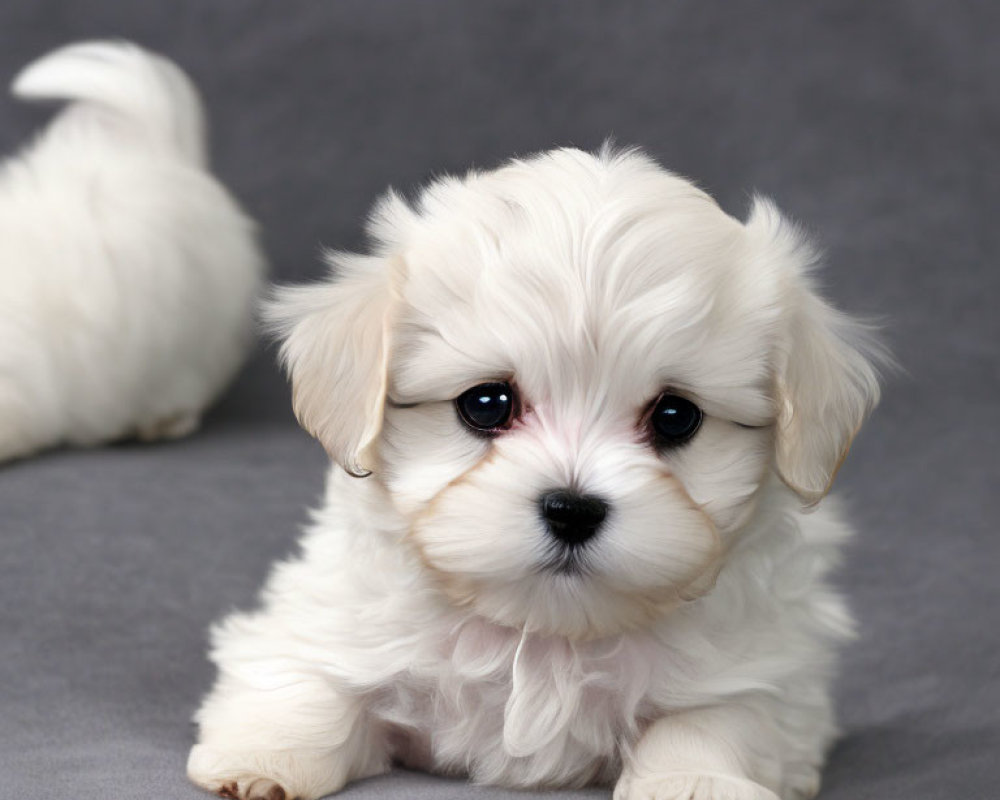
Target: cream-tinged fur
691, 656
128, 273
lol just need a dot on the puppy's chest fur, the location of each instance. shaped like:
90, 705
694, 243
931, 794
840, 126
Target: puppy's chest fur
517, 709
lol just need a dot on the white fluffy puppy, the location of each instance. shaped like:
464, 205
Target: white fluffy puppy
127, 273
579, 415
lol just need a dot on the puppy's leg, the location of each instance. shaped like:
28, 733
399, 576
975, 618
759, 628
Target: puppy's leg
720, 753
173, 426
23, 429
275, 730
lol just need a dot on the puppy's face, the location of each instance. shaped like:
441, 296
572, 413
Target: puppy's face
577, 376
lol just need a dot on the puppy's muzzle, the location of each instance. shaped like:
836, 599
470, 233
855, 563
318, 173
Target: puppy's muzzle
572, 518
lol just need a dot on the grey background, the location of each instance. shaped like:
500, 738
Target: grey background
875, 124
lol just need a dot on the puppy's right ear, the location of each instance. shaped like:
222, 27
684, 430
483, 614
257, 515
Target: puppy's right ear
335, 348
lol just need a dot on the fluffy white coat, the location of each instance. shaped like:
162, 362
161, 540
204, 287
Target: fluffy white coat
127, 272
691, 655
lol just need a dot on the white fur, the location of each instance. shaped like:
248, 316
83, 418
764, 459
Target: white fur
692, 657
127, 273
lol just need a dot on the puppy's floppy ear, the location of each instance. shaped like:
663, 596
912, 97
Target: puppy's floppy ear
335, 348
825, 379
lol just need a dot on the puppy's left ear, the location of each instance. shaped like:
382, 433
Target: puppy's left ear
335, 348
826, 382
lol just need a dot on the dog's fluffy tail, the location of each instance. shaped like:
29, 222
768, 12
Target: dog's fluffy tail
143, 89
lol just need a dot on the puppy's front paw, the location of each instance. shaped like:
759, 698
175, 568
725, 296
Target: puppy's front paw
246, 776
250, 788
689, 786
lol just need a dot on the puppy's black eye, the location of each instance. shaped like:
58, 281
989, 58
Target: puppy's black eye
674, 420
487, 406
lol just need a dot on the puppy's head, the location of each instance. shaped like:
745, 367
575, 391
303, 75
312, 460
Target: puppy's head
572, 376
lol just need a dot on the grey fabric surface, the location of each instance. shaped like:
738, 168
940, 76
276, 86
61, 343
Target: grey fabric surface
876, 124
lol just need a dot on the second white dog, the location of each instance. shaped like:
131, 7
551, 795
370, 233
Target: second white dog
592, 409
127, 272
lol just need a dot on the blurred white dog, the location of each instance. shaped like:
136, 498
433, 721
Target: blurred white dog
127, 273
590, 411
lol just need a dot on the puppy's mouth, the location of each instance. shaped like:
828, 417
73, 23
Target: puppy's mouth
569, 560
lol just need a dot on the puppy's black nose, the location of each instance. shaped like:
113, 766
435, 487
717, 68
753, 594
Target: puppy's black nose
572, 518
